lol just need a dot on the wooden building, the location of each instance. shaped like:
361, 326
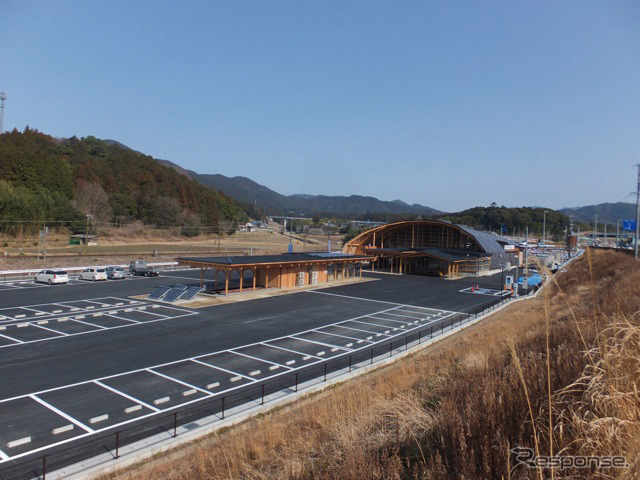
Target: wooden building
432, 247
278, 271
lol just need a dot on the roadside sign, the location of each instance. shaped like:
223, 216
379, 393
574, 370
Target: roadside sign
629, 225
290, 248
508, 281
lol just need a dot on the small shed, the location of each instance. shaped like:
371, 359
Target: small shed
82, 239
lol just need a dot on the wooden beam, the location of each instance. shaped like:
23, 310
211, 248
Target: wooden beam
226, 282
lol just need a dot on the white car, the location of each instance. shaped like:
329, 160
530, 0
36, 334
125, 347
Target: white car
93, 274
51, 277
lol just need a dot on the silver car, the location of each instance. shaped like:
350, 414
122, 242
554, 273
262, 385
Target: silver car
115, 273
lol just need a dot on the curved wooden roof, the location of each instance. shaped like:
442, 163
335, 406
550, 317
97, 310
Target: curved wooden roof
357, 245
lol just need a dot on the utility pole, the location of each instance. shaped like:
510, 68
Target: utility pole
635, 250
3, 97
525, 280
617, 233
544, 226
595, 230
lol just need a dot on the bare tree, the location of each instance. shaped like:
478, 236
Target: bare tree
93, 200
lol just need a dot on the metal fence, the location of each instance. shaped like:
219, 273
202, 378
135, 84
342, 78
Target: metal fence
93, 451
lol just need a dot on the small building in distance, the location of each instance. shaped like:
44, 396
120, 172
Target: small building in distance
285, 270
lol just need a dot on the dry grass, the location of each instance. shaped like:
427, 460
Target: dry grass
456, 410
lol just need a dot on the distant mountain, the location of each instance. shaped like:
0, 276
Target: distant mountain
247, 191
607, 212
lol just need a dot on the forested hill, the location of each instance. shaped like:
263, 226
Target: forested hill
506, 220
58, 181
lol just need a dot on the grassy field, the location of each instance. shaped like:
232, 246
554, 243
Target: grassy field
558, 374
122, 244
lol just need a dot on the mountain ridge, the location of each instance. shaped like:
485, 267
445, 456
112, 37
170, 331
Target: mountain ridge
245, 190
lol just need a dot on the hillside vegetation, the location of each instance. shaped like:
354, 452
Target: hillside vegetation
558, 374
47, 181
508, 220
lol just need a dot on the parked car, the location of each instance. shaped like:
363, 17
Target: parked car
115, 273
51, 277
93, 274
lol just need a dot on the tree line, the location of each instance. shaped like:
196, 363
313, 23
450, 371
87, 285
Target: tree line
58, 182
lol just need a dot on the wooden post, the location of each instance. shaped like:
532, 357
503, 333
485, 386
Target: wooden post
360, 269
280, 277
215, 282
202, 276
255, 272
226, 282
401, 262
241, 278
266, 284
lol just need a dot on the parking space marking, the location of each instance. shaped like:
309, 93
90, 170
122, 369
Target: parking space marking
49, 329
368, 323
255, 358
192, 387
320, 343
87, 323
12, 339
336, 335
357, 329
388, 320
122, 394
405, 316
61, 413
287, 350
4, 456
130, 322
221, 368
122, 318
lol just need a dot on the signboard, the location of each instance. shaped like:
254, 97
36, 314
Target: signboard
290, 248
629, 225
508, 281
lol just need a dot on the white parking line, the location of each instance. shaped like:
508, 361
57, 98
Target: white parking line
287, 349
61, 413
90, 324
255, 358
372, 324
336, 335
173, 379
50, 329
122, 318
4, 456
320, 343
355, 329
220, 368
388, 319
12, 339
122, 394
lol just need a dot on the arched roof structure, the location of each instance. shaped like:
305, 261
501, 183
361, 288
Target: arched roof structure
439, 239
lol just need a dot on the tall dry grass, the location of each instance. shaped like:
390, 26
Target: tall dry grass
558, 374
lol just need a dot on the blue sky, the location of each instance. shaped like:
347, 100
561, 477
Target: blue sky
447, 104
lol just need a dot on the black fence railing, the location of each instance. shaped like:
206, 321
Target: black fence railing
96, 450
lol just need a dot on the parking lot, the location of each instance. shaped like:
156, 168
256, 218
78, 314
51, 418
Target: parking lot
107, 361
33, 323
61, 414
